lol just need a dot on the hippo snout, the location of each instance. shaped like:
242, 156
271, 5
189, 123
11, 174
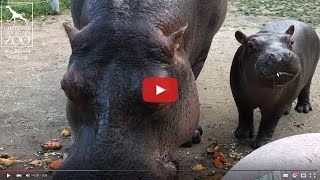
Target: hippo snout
279, 68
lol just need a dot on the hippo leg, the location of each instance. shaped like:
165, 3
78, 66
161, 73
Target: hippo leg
303, 104
197, 68
267, 127
245, 127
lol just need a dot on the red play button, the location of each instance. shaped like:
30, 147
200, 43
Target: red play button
160, 90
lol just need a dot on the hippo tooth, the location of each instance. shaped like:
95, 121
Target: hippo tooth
278, 74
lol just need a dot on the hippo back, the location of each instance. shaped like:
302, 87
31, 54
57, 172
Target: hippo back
203, 19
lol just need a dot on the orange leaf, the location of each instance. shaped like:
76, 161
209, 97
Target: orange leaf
220, 156
218, 163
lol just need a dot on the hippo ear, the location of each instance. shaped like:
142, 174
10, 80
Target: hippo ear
71, 30
175, 37
290, 30
240, 37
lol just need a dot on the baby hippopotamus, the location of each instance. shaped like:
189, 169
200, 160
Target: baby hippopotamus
269, 71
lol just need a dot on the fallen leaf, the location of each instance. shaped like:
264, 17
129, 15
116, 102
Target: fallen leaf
51, 145
198, 167
221, 156
8, 162
13, 158
47, 161
66, 132
56, 164
36, 162
217, 162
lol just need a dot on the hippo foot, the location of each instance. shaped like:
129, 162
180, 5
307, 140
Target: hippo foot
187, 144
243, 133
303, 107
196, 138
260, 142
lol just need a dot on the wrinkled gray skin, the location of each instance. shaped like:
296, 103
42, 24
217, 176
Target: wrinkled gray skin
287, 155
269, 71
115, 45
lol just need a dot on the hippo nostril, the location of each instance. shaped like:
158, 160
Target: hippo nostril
272, 56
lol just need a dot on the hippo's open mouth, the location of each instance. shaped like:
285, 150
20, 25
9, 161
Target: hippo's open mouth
281, 78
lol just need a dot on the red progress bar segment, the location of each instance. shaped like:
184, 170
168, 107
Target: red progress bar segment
22, 170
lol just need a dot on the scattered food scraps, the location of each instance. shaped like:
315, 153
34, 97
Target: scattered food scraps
36, 162
66, 132
9, 162
198, 167
56, 164
51, 145
214, 147
218, 163
236, 156
221, 156
47, 161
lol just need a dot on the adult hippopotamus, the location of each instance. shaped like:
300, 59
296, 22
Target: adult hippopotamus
298, 154
270, 70
115, 45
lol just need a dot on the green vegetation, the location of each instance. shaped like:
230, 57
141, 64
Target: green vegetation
40, 7
303, 10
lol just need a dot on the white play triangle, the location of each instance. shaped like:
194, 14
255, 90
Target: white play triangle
159, 90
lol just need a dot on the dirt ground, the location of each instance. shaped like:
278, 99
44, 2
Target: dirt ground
32, 105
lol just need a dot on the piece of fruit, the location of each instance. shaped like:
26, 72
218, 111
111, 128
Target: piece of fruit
56, 164
217, 162
221, 156
51, 145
